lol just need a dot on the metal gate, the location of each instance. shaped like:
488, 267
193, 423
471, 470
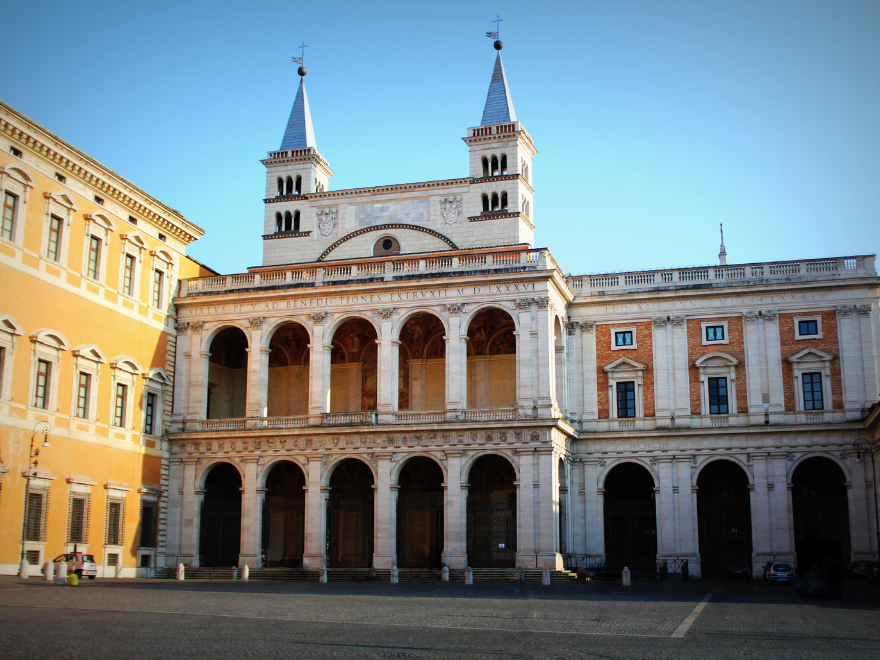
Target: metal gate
821, 527
631, 536
220, 533
283, 532
350, 532
420, 531
491, 531
725, 534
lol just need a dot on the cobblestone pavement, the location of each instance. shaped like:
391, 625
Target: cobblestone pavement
704, 619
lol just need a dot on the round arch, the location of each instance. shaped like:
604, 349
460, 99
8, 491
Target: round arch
398, 468
733, 459
212, 333
604, 474
630, 516
274, 324
335, 324
724, 515
334, 463
415, 311
469, 463
847, 475
205, 469
263, 474
220, 514
466, 321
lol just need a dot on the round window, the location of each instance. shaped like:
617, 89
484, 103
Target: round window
387, 244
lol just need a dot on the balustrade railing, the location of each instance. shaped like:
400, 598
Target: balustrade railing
350, 418
488, 414
419, 417
297, 422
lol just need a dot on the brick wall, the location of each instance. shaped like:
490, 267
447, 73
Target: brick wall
644, 353
828, 344
734, 348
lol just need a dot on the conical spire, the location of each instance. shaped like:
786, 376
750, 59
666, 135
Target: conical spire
722, 253
299, 133
499, 106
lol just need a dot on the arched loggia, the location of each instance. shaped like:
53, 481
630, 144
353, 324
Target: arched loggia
354, 367
350, 516
284, 516
227, 375
220, 532
630, 520
491, 513
725, 517
491, 360
420, 514
288, 393
821, 512
422, 364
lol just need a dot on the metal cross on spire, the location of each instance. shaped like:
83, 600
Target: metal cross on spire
302, 48
495, 35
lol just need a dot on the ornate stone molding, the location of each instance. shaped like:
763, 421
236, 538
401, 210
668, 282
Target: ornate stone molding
384, 314
328, 222
450, 211
571, 327
865, 310
587, 326
677, 320
750, 317
660, 321
544, 303
524, 303
844, 310
181, 326
197, 326
319, 317
770, 315
256, 322
454, 309
386, 227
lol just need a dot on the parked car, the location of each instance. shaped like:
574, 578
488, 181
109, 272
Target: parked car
739, 569
858, 570
779, 571
873, 574
79, 563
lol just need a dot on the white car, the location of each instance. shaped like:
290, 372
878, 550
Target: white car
79, 563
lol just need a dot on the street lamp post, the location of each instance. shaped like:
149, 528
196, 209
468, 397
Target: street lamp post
32, 455
859, 447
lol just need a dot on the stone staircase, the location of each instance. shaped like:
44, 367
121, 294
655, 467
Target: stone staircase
363, 574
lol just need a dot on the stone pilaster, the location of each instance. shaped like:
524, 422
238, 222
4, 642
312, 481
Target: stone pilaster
257, 370
315, 544
251, 516
454, 370
455, 515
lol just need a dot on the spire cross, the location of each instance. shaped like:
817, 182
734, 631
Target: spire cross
497, 20
301, 59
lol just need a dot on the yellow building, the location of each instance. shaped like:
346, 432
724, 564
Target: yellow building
89, 267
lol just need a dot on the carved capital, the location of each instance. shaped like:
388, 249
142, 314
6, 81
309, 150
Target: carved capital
256, 322
197, 326
770, 316
384, 314
454, 309
319, 317
660, 321
587, 326
844, 310
524, 303
571, 326
181, 326
544, 303
750, 317
677, 320
865, 310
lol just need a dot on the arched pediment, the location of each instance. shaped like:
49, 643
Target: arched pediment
19, 173
126, 363
51, 338
716, 360
625, 364
101, 219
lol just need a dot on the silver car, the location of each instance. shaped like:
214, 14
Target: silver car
780, 572
79, 563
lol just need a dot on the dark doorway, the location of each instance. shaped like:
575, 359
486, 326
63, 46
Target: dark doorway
491, 514
563, 508
284, 516
420, 514
350, 516
725, 517
220, 537
821, 512
630, 520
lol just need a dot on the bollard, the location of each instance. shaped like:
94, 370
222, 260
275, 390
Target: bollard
245, 573
324, 575
521, 574
235, 572
72, 580
394, 575
23, 569
468, 575
181, 571
545, 577
61, 573
626, 576
445, 574
49, 571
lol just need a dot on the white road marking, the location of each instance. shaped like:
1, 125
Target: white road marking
687, 623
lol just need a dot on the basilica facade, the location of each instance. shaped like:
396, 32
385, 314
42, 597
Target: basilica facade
407, 381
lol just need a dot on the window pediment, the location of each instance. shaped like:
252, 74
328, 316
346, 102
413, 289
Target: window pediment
158, 375
20, 174
63, 198
10, 326
51, 338
89, 352
811, 355
126, 364
102, 220
625, 364
716, 360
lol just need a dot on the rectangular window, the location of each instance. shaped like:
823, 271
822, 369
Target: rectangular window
150, 413
148, 527
35, 520
128, 276
813, 399
94, 257
78, 519
99, 200
626, 399
15, 152
624, 338
54, 242
60, 178
119, 404
806, 328
113, 559
83, 394
715, 333
158, 276
10, 206
44, 381
33, 557
115, 511
132, 219
718, 396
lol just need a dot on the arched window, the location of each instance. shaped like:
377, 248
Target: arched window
296, 221
278, 220
494, 166
288, 221
494, 201
504, 163
485, 203
485, 166
504, 201
289, 187
280, 187
299, 185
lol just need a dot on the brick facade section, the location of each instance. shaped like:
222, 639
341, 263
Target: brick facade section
643, 354
828, 344
734, 348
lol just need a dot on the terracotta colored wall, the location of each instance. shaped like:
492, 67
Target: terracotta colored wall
734, 348
827, 344
644, 353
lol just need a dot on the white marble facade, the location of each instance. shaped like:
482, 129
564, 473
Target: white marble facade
556, 416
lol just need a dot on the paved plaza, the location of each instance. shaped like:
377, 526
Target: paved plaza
702, 619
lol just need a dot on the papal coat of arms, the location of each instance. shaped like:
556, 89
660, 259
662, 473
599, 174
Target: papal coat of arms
328, 221
450, 211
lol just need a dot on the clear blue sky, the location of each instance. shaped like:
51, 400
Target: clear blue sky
654, 121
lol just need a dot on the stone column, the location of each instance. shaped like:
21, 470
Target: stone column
527, 510
198, 379
680, 405
758, 390
588, 371
574, 366
251, 516
593, 514
315, 546
544, 363
869, 329
174, 510
524, 349
386, 381
454, 514
782, 517
547, 503
454, 402
191, 507
181, 372
577, 512
663, 402
861, 511
319, 370
383, 533
667, 532
762, 530
258, 371
773, 351
688, 545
